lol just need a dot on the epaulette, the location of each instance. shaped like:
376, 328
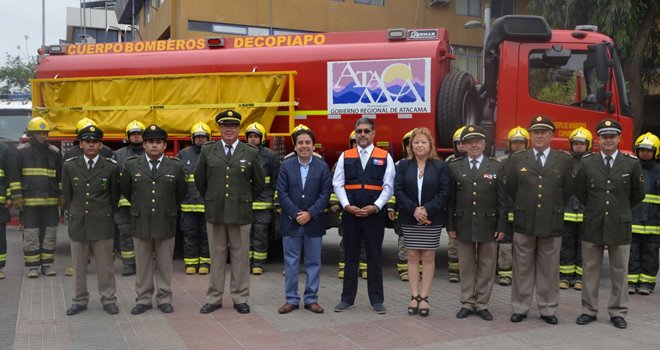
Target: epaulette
314, 154
503, 158
631, 156
133, 157
564, 152
70, 159
210, 142
520, 151
175, 158
253, 146
53, 148
110, 160
495, 159
455, 159
23, 145
587, 155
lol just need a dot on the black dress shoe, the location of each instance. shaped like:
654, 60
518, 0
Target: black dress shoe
242, 308
551, 319
463, 313
208, 308
111, 308
619, 322
75, 309
140, 309
518, 317
485, 314
166, 308
585, 319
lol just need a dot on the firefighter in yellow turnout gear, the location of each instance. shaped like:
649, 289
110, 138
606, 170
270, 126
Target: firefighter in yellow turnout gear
643, 261
192, 220
35, 182
570, 257
262, 207
393, 213
336, 208
452, 245
134, 132
517, 140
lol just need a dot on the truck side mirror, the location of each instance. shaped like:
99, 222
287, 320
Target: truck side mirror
603, 64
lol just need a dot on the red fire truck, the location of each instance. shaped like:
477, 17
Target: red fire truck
401, 78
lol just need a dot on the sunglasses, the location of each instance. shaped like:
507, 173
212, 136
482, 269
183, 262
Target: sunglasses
362, 131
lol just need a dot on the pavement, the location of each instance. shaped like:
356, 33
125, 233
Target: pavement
33, 314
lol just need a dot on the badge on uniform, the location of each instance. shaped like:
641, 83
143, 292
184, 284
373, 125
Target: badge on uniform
378, 162
75, 178
490, 176
523, 170
104, 183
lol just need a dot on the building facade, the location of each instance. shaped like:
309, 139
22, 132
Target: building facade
182, 19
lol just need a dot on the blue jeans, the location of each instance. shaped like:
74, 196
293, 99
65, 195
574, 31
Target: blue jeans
292, 249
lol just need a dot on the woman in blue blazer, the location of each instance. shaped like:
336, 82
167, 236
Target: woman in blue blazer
421, 186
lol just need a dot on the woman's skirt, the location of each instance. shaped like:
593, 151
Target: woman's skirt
421, 236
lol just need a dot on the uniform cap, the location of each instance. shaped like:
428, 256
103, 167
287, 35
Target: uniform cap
90, 132
608, 127
472, 131
154, 131
228, 117
541, 122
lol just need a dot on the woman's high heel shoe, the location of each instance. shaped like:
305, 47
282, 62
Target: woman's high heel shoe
423, 311
413, 310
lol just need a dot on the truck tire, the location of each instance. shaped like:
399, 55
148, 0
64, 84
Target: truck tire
451, 108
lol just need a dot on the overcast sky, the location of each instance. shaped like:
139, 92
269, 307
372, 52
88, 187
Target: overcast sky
19, 18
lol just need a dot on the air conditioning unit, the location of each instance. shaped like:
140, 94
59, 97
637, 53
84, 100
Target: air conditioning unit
438, 3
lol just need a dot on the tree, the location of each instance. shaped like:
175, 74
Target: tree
16, 74
635, 28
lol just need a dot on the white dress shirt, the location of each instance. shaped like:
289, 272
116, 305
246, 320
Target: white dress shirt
613, 157
94, 160
545, 155
233, 146
160, 161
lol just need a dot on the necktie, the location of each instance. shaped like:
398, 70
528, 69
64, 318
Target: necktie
228, 152
90, 165
364, 157
608, 163
539, 161
154, 166
474, 169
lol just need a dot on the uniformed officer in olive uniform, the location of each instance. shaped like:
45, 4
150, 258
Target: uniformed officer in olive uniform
540, 182
90, 186
155, 185
476, 218
229, 176
609, 184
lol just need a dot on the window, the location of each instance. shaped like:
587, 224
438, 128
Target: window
468, 8
98, 34
468, 59
567, 81
234, 29
371, 2
501, 8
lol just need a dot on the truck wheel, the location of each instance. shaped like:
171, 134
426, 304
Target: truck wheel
452, 106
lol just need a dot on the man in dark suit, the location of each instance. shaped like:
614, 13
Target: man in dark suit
303, 188
90, 186
477, 220
155, 185
610, 183
229, 176
540, 182
363, 182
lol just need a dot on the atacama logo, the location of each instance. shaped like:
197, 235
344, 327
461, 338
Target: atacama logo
382, 86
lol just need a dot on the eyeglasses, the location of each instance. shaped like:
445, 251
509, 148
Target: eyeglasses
362, 131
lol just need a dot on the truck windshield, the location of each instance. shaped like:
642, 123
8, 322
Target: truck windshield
569, 80
13, 123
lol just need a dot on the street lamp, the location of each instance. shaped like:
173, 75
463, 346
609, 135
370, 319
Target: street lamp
473, 24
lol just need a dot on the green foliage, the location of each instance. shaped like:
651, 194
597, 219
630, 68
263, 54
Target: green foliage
619, 19
15, 75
